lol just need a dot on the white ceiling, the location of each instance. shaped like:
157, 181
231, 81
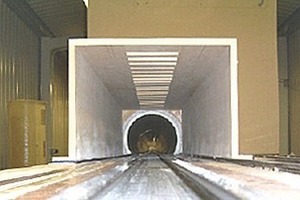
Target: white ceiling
193, 66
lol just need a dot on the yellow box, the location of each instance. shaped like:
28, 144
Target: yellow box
27, 133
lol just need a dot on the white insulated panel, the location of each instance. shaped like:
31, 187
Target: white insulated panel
95, 119
206, 116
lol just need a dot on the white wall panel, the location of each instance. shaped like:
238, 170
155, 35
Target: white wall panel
207, 115
95, 121
19, 68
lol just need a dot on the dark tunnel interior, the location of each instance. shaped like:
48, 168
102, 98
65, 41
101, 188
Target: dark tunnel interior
152, 133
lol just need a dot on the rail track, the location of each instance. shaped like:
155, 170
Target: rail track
155, 177
290, 164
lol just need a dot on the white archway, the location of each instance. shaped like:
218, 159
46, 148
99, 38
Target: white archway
165, 114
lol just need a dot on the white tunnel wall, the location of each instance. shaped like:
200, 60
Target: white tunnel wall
98, 118
209, 118
206, 117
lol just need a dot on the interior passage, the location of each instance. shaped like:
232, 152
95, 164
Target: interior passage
152, 133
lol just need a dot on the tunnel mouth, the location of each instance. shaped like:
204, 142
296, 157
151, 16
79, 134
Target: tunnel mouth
152, 134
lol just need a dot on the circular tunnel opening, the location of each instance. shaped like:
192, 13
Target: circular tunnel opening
152, 133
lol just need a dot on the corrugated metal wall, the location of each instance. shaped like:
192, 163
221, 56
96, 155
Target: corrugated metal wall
294, 90
286, 8
71, 15
59, 102
19, 68
283, 96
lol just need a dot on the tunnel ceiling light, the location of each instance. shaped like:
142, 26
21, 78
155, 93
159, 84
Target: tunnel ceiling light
152, 75
152, 63
151, 72
152, 68
144, 99
151, 93
149, 79
153, 90
152, 100
157, 59
152, 96
152, 107
161, 100
147, 96
152, 83
152, 103
141, 88
152, 53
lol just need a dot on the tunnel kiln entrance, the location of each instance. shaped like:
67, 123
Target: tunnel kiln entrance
204, 86
152, 131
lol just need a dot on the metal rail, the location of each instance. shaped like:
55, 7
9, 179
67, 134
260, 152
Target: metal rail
278, 158
134, 165
269, 162
147, 176
204, 188
152, 174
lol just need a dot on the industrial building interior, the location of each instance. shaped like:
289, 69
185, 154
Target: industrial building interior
109, 98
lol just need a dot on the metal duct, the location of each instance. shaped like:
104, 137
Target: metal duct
152, 133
